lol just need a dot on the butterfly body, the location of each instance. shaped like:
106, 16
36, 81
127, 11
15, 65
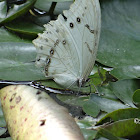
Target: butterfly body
67, 48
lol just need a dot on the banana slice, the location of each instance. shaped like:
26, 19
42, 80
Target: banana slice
32, 114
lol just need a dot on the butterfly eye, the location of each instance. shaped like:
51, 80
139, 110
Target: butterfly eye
78, 20
71, 25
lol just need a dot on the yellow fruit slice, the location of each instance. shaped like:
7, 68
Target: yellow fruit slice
32, 114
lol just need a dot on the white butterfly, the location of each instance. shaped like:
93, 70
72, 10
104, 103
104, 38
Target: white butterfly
67, 48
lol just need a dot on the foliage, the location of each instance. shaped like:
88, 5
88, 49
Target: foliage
115, 109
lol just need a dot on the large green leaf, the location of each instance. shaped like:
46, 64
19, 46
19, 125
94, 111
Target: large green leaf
9, 138
6, 36
124, 128
120, 115
126, 72
97, 103
103, 134
73, 100
107, 100
17, 58
136, 97
84, 125
120, 37
26, 28
2, 121
124, 90
9, 13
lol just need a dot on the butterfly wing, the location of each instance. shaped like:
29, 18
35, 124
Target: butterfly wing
67, 48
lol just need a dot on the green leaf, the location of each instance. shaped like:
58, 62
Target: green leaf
2, 122
84, 125
124, 128
119, 42
6, 36
7, 14
106, 134
91, 108
73, 100
124, 90
126, 72
136, 97
2, 131
120, 115
17, 57
88, 134
98, 77
9, 138
27, 28
106, 91
21, 67
97, 103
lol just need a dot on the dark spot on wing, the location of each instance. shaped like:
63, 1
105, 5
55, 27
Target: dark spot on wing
92, 31
64, 42
71, 25
78, 20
